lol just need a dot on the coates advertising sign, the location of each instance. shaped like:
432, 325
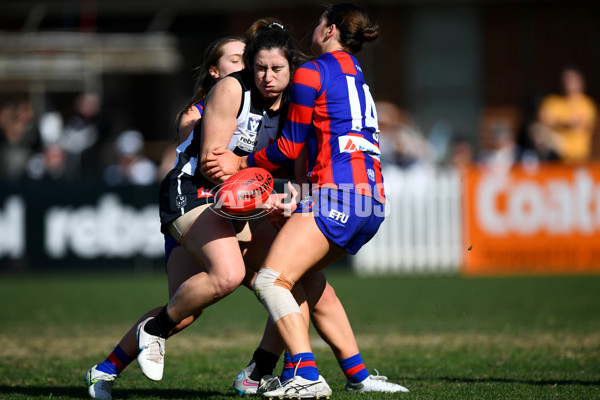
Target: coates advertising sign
540, 221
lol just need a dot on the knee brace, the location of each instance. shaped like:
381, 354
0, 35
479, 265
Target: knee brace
274, 292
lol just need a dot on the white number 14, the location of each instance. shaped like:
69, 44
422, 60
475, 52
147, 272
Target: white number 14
370, 113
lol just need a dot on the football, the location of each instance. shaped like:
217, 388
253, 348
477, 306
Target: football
244, 191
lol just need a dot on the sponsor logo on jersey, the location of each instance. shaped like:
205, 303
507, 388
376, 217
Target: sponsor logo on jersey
338, 217
350, 144
202, 193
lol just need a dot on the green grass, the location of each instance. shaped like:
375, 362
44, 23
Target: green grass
442, 337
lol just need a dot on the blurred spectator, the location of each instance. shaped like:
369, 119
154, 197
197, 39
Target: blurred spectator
400, 142
531, 138
567, 121
504, 151
81, 136
544, 142
132, 166
50, 161
461, 153
18, 138
405, 154
71, 144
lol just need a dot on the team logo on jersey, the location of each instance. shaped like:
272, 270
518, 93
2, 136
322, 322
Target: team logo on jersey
253, 123
350, 144
371, 174
180, 200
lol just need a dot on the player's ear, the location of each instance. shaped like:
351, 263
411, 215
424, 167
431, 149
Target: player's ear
331, 30
213, 71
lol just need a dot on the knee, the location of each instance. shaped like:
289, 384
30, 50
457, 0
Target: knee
224, 284
274, 291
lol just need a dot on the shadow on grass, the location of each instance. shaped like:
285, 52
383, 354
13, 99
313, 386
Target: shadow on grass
541, 382
81, 393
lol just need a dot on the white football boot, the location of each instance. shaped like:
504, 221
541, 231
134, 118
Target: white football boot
301, 388
151, 358
376, 383
268, 383
99, 383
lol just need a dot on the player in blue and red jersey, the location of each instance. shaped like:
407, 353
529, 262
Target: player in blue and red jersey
333, 115
333, 112
182, 266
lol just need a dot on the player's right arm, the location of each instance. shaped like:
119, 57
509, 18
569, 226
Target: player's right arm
219, 120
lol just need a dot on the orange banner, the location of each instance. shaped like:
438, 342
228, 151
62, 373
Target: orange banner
532, 221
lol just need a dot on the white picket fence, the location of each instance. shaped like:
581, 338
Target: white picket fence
422, 231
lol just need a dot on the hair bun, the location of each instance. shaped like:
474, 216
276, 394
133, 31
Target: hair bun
370, 33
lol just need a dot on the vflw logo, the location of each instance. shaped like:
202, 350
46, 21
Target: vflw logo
253, 123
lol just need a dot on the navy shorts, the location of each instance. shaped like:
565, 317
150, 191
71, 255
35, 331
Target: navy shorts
346, 218
170, 244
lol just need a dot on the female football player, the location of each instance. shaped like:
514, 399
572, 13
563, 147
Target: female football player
333, 114
221, 58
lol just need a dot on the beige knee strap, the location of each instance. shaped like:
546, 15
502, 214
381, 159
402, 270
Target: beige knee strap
273, 290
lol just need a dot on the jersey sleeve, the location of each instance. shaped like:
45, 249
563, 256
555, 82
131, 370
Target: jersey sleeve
306, 85
200, 107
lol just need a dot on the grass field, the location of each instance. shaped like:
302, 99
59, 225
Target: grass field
442, 337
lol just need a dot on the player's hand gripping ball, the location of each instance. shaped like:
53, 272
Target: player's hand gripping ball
244, 191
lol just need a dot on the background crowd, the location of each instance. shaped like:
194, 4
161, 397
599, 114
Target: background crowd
76, 141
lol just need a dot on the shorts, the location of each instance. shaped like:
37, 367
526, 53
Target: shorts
243, 233
170, 244
181, 201
346, 218
179, 195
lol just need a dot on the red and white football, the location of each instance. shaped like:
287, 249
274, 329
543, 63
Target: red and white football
244, 191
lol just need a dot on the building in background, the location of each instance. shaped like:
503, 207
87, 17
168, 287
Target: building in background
460, 69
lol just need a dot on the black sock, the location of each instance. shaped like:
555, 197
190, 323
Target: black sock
160, 325
265, 363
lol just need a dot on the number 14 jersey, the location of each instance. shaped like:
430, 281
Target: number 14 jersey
333, 113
